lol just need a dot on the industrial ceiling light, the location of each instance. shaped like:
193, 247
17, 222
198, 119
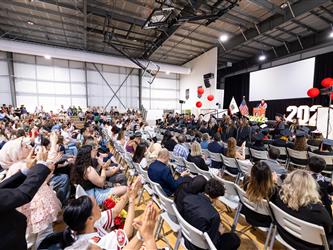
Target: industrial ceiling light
284, 5
224, 38
262, 57
48, 57
168, 72
30, 23
331, 33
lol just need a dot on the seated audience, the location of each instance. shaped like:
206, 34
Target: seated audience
84, 217
84, 174
300, 141
196, 156
274, 165
244, 131
216, 147
16, 191
168, 141
325, 148
260, 186
316, 138
300, 198
194, 203
160, 172
139, 155
316, 166
258, 142
205, 141
233, 152
283, 139
180, 149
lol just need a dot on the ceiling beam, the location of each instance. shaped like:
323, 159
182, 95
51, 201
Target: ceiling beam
299, 8
268, 6
321, 17
99, 12
85, 24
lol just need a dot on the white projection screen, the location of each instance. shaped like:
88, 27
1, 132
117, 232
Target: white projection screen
287, 81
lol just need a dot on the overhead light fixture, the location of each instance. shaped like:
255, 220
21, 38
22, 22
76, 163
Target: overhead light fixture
30, 23
284, 5
331, 33
48, 57
224, 38
168, 72
262, 57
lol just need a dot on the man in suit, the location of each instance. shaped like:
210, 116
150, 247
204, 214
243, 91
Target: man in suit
216, 147
16, 191
160, 173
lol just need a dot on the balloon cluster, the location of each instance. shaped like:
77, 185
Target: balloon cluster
314, 92
200, 93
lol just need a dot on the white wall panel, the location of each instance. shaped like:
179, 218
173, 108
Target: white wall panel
48, 102
46, 87
62, 100
78, 89
63, 89
30, 102
25, 70
3, 68
79, 101
77, 75
45, 73
25, 86
5, 98
61, 74
4, 84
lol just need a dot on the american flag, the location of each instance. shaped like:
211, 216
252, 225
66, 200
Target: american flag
243, 108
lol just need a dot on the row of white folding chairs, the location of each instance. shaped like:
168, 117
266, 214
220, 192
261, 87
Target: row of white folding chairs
235, 198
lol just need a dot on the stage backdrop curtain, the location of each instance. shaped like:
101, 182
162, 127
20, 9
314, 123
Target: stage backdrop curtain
236, 86
239, 85
323, 69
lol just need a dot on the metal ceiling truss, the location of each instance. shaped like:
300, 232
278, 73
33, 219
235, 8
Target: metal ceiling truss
299, 8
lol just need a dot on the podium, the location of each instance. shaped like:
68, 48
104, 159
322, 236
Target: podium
259, 112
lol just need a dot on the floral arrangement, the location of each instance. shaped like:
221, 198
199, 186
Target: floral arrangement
119, 220
258, 119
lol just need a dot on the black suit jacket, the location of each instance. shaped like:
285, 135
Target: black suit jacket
15, 192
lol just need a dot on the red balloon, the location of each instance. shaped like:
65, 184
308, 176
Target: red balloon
327, 82
198, 104
210, 98
313, 92
201, 91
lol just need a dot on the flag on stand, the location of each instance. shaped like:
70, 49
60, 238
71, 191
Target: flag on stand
243, 108
233, 107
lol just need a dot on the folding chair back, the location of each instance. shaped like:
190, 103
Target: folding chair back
215, 156
245, 166
193, 235
297, 155
191, 167
300, 229
258, 154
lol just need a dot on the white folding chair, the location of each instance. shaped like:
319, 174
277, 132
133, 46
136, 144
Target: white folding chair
191, 167
245, 167
210, 242
230, 163
297, 155
191, 234
258, 154
230, 199
313, 148
300, 229
215, 156
261, 208
167, 215
205, 152
283, 153
328, 159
